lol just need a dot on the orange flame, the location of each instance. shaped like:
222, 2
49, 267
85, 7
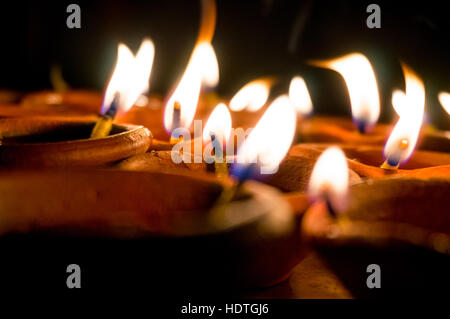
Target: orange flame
130, 77
271, 138
444, 99
202, 68
329, 178
299, 95
410, 107
252, 96
360, 78
219, 124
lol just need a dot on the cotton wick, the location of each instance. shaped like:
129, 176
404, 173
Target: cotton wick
176, 120
393, 163
104, 124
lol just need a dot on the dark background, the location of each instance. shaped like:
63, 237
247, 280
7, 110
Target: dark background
253, 38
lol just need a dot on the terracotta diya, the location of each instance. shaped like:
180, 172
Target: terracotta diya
82, 101
386, 211
399, 146
362, 87
55, 141
366, 160
257, 232
52, 103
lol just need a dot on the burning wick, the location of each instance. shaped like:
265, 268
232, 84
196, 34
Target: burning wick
104, 123
410, 107
329, 180
176, 119
217, 131
393, 163
220, 165
129, 80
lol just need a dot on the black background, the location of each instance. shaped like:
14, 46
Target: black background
253, 38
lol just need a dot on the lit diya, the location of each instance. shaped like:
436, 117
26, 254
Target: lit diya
360, 79
385, 212
214, 149
52, 142
72, 141
399, 148
256, 230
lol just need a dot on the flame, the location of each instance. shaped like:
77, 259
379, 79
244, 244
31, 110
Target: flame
251, 96
130, 77
403, 139
202, 68
271, 138
444, 99
299, 95
219, 124
329, 178
360, 78
398, 101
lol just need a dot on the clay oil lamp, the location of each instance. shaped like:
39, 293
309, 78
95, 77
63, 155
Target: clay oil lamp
48, 103
204, 152
65, 102
61, 101
256, 230
390, 211
399, 148
361, 82
55, 141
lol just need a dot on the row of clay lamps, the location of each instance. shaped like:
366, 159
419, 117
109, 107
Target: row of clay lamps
364, 155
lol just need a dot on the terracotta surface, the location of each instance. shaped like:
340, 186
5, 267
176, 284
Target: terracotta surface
52, 142
323, 129
258, 233
365, 160
62, 102
318, 129
374, 216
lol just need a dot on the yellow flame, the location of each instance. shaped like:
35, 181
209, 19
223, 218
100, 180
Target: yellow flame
299, 95
272, 136
219, 124
329, 178
130, 77
202, 68
444, 99
251, 96
361, 83
402, 141
398, 101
